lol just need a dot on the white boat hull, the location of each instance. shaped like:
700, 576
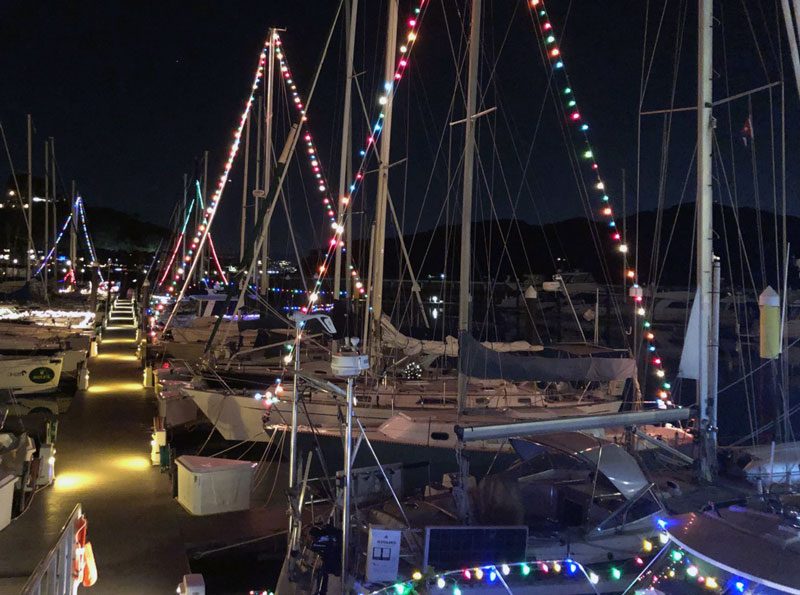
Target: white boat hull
30, 375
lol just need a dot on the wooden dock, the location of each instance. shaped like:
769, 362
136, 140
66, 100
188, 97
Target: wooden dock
102, 461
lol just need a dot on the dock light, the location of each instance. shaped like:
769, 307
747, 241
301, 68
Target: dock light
456, 590
416, 575
692, 571
479, 573
440, 582
556, 567
526, 570
711, 583
505, 569
647, 545
492, 576
676, 555
593, 578
663, 538
739, 585
616, 573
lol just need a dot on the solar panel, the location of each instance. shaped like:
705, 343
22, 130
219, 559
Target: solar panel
450, 548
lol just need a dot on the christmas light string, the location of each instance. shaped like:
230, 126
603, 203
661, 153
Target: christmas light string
503, 573
55, 244
87, 238
198, 239
210, 238
177, 244
201, 232
388, 90
317, 170
545, 30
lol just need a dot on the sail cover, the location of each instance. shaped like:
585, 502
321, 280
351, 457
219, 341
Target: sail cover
477, 361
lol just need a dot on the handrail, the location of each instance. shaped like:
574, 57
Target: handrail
53, 573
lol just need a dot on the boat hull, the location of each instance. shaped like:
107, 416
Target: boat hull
30, 375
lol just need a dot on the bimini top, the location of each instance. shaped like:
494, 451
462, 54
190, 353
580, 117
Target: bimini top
756, 546
610, 459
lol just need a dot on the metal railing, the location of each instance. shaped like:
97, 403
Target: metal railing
53, 574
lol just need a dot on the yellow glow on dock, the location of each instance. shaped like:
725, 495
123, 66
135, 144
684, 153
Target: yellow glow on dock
73, 481
118, 357
114, 387
133, 463
119, 341
126, 327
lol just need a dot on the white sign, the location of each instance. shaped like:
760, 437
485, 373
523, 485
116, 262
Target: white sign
383, 554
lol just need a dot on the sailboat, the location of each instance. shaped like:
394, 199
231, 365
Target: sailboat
735, 549
570, 380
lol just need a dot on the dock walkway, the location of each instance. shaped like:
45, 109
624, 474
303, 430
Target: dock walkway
102, 462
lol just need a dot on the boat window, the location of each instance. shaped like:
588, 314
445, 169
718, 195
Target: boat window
440, 436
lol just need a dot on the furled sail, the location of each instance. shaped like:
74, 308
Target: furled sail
394, 339
690, 357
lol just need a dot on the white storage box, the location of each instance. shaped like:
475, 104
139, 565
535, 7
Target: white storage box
207, 485
6, 498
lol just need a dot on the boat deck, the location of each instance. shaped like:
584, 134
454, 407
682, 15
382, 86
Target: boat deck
102, 462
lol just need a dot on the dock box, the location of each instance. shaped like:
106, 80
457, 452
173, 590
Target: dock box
208, 485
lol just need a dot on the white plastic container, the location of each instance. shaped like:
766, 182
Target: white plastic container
208, 485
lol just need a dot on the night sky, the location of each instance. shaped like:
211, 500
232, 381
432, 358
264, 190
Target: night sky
135, 92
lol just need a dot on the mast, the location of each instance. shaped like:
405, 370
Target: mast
351, 18
464, 297
376, 294
706, 397
73, 236
243, 222
46, 208
258, 193
203, 253
55, 206
30, 201
269, 83
184, 215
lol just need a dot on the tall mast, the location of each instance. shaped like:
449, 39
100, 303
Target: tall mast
73, 235
46, 208
243, 222
204, 253
30, 201
705, 256
387, 99
269, 83
464, 296
258, 193
184, 215
55, 206
351, 10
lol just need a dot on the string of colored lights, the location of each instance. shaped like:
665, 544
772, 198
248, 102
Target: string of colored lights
547, 36
198, 240
210, 239
87, 238
317, 170
55, 244
506, 574
389, 89
177, 244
